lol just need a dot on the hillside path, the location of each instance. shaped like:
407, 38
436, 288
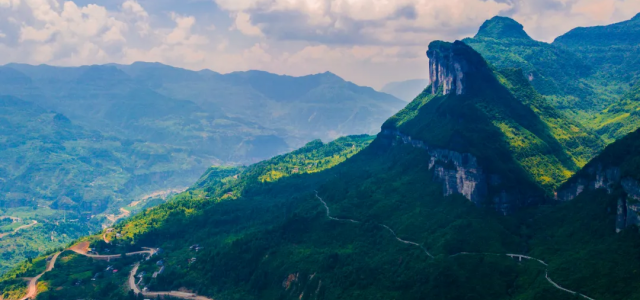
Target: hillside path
34, 222
183, 295
518, 256
80, 248
32, 289
381, 225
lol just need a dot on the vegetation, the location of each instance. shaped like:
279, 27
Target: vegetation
89, 144
502, 121
76, 276
584, 73
275, 241
552, 71
365, 218
621, 117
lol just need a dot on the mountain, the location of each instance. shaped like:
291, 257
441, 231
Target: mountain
614, 50
52, 170
94, 144
497, 118
320, 106
552, 70
615, 170
226, 117
610, 49
449, 201
405, 90
585, 73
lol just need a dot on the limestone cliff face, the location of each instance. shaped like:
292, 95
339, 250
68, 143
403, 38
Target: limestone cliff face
595, 177
449, 67
445, 70
599, 177
460, 173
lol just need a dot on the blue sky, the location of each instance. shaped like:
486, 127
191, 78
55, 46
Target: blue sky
369, 42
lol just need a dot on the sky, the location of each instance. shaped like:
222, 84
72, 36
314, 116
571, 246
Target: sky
369, 42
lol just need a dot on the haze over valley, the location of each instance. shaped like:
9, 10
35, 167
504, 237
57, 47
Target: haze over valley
511, 171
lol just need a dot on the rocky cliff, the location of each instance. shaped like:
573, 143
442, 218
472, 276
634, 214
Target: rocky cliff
596, 176
460, 173
449, 67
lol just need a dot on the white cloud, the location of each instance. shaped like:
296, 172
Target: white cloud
243, 24
135, 12
182, 34
358, 21
367, 41
9, 3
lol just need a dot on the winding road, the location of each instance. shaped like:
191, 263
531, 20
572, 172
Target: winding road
80, 248
381, 225
34, 222
32, 289
183, 295
518, 256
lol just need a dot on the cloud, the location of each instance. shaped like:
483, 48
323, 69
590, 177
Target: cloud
243, 24
361, 21
135, 13
369, 42
547, 19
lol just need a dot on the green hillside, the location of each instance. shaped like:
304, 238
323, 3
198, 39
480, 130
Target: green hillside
502, 121
587, 73
275, 240
363, 219
52, 171
493, 183
94, 144
553, 71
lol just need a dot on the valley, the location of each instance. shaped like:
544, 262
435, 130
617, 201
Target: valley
514, 174
93, 145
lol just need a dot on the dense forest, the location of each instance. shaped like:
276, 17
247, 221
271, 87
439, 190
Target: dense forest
493, 183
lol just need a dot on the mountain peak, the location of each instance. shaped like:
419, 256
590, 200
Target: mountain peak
501, 28
450, 65
637, 17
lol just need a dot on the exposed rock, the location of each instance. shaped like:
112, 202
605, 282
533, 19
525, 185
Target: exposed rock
446, 70
597, 177
451, 64
460, 173
292, 278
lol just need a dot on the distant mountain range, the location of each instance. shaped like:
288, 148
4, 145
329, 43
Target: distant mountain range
83, 143
500, 180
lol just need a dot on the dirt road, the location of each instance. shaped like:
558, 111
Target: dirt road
81, 248
18, 229
32, 289
183, 295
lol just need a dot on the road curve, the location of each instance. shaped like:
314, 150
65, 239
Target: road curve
381, 225
132, 279
546, 271
183, 295
34, 222
32, 289
520, 256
